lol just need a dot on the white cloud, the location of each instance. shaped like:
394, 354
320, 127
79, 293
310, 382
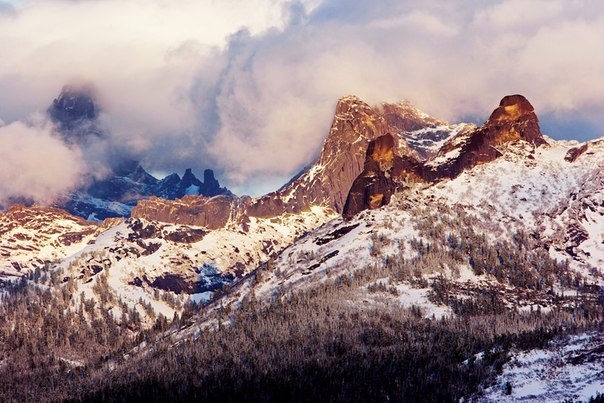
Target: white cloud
36, 165
249, 88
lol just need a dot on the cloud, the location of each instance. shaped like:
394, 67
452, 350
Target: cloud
36, 165
277, 90
249, 88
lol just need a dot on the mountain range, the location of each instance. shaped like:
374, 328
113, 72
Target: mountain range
401, 214
75, 113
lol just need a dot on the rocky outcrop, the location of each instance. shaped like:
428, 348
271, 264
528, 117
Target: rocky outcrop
384, 173
575, 152
387, 171
212, 213
328, 181
375, 185
513, 120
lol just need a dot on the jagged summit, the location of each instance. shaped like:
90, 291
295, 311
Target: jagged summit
116, 195
512, 238
513, 120
75, 112
74, 103
325, 183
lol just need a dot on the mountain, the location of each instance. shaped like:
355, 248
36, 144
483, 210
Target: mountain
551, 191
34, 237
327, 181
117, 194
411, 256
75, 112
386, 170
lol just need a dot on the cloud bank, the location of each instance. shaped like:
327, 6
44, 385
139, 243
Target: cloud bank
248, 88
36, 165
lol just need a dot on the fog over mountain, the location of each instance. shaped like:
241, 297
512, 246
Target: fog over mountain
248, 88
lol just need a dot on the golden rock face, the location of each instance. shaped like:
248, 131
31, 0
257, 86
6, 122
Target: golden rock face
386, 170
382, 151
511, 108
376, 200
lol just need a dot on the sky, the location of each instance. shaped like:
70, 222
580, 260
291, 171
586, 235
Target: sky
249, 88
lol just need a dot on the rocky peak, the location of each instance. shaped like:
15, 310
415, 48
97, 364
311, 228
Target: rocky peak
386, 171
75, 113
404, 117
327, 182
188, 180
341, 160
74, 103
576, 152
511, 108
514, 119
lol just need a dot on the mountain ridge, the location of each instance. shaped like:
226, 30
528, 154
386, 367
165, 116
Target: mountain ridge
75, 113
498, 245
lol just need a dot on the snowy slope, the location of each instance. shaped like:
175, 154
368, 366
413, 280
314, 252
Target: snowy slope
427, 141
528, 191
541, 193
33, 237
568, 370
146, 262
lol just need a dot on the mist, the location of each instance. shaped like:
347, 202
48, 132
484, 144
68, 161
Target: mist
249, 88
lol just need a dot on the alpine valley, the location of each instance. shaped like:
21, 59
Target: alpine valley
414, 260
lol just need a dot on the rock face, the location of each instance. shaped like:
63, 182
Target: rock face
387, 171
325, 183
375, 185
73, 104
27, 232
513, 120
75, 113
384, 173
116, 195
212, 213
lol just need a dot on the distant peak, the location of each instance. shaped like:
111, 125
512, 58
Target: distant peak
75, 112
75, 102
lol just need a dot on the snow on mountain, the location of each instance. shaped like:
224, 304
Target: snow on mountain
540, 192
142, 262
566, 370
33, 237
527, 193
427, 141
450, 220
